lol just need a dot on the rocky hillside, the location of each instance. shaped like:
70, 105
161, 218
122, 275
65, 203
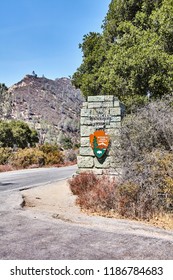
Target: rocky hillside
52, 107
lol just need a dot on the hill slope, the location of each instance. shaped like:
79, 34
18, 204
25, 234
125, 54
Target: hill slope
52, 107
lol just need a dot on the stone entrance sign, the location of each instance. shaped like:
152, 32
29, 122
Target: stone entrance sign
99, 129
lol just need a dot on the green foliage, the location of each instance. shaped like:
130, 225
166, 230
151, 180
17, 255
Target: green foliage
66, 142
38, 156
27, 157
5, 155
54, 158
86, 76
52, 154
134, 54
6, 135
76, 145
3, 88
17, 133
48, 148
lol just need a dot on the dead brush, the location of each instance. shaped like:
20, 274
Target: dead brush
95, 193
83, 182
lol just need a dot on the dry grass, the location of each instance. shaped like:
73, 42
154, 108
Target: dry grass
105, 197
94, 193
6, 167
163, 220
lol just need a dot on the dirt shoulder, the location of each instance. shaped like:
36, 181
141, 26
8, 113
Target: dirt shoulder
51, 226
57, 201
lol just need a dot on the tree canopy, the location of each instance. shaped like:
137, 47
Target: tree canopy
133, 57
3, 88
17, 133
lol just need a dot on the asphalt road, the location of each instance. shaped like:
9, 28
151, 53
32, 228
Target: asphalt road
21, 179
26, 234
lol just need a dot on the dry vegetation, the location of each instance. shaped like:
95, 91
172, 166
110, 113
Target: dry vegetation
104, 196
43, 155
145, 191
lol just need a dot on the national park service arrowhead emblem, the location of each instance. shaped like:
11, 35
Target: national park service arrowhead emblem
99, 142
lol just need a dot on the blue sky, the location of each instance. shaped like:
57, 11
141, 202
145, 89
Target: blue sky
43, 35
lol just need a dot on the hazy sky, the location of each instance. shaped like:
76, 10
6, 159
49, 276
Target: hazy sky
43, 35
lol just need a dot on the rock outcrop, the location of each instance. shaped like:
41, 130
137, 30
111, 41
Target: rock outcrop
52, 107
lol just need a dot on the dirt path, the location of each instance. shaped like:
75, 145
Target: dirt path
55, 200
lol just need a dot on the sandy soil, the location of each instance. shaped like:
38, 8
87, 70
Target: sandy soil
57, 201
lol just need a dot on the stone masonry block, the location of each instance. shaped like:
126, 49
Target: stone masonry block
86, 151
85, 142
86, 130
97, 111
85, 121
115, 111
94, 170
85, 105
85, 162
110, 98
110, 162
96, 98
85, 112
100, 111
100, 104
104, 164
110, 131
102, 98
116, 103
116, 119
95, 105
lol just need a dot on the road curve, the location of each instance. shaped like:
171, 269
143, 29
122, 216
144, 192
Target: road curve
26, 234
22, 179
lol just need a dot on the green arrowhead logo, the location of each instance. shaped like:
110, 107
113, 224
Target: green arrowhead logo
99, 142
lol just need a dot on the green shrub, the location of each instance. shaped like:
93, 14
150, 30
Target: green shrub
52, 154
55, 157
44, 155
66, 142
49, 148
17, 133
27, 157
5, 155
